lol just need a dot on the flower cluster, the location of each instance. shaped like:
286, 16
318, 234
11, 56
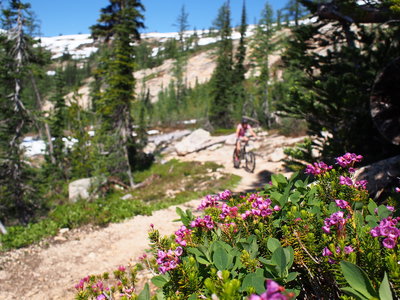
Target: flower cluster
226, 210
81, 284
168, 260
387, 228
227, 226
98, 288
274, 292
206, 222
348, 160
336, 219
328, 253
260, 207
362, 184
212, 200
182, 234
317, 168
341, 203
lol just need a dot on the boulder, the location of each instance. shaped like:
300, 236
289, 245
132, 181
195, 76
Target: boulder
79, 189
231, 139
276, 156
380, 176
192, 142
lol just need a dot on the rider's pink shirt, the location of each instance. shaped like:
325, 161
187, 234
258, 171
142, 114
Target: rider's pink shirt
242, 130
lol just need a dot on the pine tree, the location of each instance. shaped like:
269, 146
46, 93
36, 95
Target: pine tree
262, 47
295, 11
222, 105
239, 68
332, 91
15, 191
119, 25
182, 24
58, 124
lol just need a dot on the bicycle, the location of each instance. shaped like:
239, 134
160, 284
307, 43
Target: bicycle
248, 156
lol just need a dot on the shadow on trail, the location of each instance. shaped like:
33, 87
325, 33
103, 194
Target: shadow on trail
263, 177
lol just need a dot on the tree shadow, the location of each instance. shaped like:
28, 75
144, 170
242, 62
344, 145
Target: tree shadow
263, 177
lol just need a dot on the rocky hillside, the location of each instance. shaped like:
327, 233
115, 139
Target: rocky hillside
199, 68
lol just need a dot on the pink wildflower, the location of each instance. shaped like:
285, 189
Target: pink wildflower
341, 203
317, 168
348, 160
345, 181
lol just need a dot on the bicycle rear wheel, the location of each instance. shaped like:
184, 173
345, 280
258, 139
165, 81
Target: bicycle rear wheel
250, 162
236, 160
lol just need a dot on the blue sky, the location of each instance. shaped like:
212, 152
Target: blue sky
76, 16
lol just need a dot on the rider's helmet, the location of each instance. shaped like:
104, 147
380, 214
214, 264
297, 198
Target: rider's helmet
245, 121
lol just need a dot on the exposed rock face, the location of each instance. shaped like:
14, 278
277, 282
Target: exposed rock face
380, 175
79, 189
192, 142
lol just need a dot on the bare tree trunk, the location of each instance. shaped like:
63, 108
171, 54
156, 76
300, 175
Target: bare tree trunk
46, 126
126, 134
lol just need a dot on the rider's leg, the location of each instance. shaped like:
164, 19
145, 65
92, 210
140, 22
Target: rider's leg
237, 149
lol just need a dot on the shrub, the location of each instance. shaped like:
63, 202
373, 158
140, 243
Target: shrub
321, 240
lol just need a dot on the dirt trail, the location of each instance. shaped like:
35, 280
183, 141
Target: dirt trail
50, 270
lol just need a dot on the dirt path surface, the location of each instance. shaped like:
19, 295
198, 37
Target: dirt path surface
50, 270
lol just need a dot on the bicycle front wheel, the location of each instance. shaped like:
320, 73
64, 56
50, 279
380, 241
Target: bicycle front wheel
250, 162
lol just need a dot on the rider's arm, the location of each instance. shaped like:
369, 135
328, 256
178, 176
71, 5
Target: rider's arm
252, 132
238, 131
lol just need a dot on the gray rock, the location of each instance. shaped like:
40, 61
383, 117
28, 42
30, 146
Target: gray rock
127, 197
192, 142
79, 189
380, 175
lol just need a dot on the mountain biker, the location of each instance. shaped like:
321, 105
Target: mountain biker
243, 129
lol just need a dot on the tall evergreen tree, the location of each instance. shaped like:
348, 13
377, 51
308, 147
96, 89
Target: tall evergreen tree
119, 25
295, 10
16, 46
221, 92
262, 48
332, 90
239, 67
182, 24
58, 124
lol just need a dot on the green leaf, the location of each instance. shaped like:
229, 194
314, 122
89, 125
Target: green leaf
372, 221
184, 219
145, 294
299, 184
295, 197
383, 212
160, 295
289, 252
221, 259
160, 280
277, 223
352, 292
371, 207
255, 280
277, 179
273, 244
276, 196
292, 276
279, 258
357, 279
384, 289
200, 257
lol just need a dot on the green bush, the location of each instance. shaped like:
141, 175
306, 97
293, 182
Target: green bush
322, 240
